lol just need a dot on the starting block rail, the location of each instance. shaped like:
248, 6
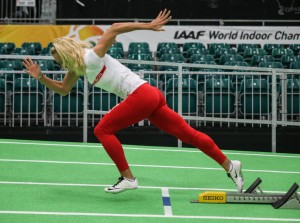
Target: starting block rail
253, 195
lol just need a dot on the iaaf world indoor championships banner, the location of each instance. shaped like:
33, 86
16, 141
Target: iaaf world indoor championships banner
178, 34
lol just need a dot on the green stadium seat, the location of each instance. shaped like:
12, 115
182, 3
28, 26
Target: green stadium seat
295, 65
35, 46
10, 77
277, 53
237, 63
17, 64
230, 57
115, 50
271, 64
9, 46
250, 52
151, 81
27, 97
46, 64
189, 45
101, 100
236, 78
255, 96
71, 103
223, 51
3, 51
214, 46
270, 47
168, 51
203, 69
116, 56
141, 56
139, 51
45, 51
12, 64
134, 45
118, 45
50, 45
42, 64
7, 64
161, 45
189, 95
295, 48
190, 52
23, 51
256, 59
219, 97
243, 46
201, 78
201, 58
164, 77
286, 60
177, 58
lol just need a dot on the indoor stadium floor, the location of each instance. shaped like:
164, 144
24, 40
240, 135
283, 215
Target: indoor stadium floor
43, 182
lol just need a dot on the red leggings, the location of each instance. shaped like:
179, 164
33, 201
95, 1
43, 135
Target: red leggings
147, 102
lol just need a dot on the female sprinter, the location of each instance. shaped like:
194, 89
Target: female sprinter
141, 100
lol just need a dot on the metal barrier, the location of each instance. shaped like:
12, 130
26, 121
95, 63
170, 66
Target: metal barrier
209, 95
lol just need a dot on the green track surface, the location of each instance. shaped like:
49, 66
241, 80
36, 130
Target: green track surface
43, 182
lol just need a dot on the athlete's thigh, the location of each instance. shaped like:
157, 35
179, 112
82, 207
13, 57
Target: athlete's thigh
167, 120
133, 109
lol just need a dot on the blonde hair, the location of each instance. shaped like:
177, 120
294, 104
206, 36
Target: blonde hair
71, 54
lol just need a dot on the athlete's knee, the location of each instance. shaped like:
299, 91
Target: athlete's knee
100, 130
204, 140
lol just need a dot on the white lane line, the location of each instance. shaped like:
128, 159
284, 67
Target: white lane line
166, 201
129, 147
105, 185
146, 216
141, 165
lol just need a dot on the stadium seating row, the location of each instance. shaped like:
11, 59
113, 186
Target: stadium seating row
187, 49
228, 59
218, 97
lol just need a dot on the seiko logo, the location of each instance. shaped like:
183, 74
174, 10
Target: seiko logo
213, 198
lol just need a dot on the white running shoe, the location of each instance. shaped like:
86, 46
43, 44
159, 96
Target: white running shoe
235, 173
123, 184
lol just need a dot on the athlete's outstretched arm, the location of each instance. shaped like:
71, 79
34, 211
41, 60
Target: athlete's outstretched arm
109, 37
61, 87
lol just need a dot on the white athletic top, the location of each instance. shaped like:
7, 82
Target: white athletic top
117, 78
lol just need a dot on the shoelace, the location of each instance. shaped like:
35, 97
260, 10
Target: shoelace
119, 181
229, 175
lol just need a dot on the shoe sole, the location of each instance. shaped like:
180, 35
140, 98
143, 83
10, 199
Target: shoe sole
118, 191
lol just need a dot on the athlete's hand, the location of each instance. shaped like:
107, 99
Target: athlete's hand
162, 18
32, 68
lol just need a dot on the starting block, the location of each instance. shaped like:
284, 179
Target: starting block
253, 195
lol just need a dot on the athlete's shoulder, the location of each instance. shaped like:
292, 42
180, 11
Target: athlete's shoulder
91, 59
